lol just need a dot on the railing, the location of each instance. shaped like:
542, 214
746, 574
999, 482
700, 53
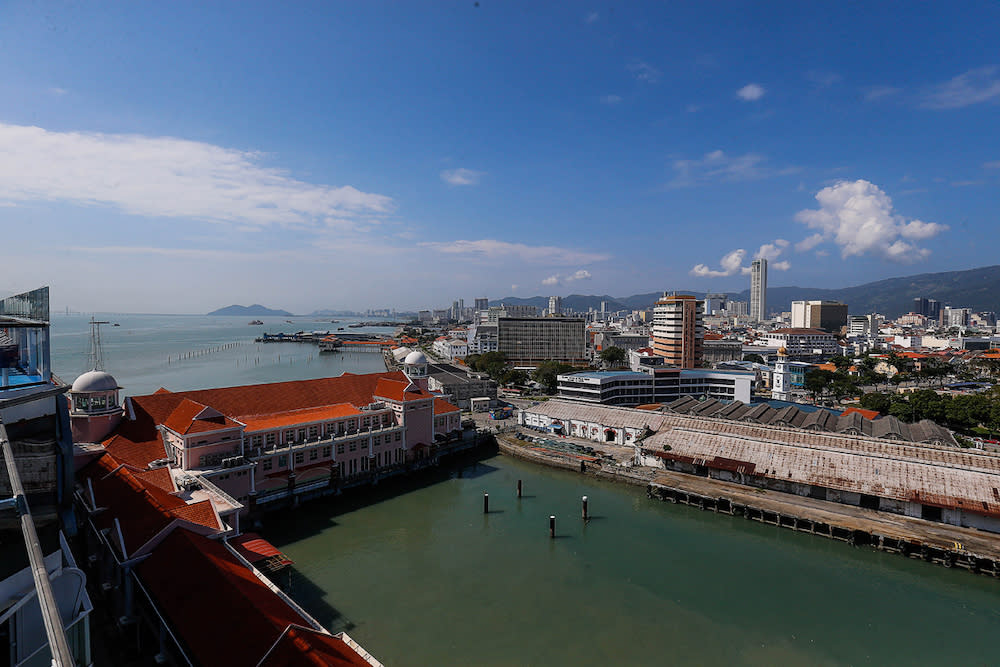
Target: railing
212, 488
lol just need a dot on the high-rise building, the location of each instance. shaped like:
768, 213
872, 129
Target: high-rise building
555, 305
678, 331
482, 304
715, 304
758, 290
532, 340
829, 316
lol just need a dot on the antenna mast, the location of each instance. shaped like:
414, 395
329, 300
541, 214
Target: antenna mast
96, 348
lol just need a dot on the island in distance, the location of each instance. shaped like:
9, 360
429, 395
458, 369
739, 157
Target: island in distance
256, 310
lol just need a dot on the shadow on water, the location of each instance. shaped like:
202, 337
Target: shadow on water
475, 470
290, 524
311, 597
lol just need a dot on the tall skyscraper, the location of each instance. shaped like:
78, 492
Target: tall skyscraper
758, 290
555, 305
677, 330
482, 303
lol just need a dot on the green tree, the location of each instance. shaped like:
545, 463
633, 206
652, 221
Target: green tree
613, 355
817, 381
512, 377
546, 373
901, 409
841, 362
927, 405
876, 401
754, 357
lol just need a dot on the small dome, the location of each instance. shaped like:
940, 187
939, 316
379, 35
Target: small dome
95, 381
415, 358
782, 351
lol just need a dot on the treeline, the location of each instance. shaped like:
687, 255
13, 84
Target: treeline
962, 412
495, 364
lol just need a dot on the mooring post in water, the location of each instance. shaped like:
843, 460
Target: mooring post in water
585, 516
486, 503
552, 526
518, 488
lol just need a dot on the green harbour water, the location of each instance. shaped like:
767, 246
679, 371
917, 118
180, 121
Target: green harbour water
420, 576
415, 572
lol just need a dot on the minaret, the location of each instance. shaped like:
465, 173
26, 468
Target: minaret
781, 381
94, 408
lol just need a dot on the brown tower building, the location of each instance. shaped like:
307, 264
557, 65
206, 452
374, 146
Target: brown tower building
678, 331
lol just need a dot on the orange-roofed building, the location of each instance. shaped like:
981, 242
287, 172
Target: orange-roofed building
262, 443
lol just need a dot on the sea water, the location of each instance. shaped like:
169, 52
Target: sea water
420, 576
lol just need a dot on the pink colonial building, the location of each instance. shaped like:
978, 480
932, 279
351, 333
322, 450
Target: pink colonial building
261, 443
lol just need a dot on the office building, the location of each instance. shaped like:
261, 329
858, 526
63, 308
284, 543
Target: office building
655, 385
678, 330
758, 290
555, 305
482, 303
829, 316
528, 341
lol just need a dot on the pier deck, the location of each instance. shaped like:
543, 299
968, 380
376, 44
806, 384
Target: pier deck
938, 542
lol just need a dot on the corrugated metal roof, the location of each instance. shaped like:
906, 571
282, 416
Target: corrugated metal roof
599, 414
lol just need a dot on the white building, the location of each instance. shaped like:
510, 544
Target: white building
758, 290
804, 342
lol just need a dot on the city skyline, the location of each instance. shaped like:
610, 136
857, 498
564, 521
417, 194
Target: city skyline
342, 156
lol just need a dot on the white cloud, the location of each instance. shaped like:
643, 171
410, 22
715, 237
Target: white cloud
611, 100
644, 72
719, 166
859, 217
558, 279
731, 263
875, 93
169, 177
973, 87
771, 251
783, 265
55, 90
966, 184
461, 176
809, 242
493, 249
992, 165
592, 17
513, 288
751, 92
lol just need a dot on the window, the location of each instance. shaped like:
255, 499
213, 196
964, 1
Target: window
313, 454
378, 440
326, 451
340, 448
302, 434
81, 402
283, 461
313, 432
269, 439
257, 440
354, 446
398, 434
299, 456
289, 437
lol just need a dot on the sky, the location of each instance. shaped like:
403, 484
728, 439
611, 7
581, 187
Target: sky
180, 157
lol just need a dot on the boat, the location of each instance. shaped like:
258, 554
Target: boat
255, 323
116, 325
340, 328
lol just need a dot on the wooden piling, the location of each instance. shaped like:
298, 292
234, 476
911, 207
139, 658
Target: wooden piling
486, 503
585, 514
552, 526
518, 488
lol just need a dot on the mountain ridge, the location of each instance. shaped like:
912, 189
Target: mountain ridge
978, 289
256, 310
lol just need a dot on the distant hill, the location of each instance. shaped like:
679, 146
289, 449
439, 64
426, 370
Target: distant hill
978, 289
255, 310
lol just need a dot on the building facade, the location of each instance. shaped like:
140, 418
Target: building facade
829, 316
758, 290
804, 342
678, 331
655, 385
529, 341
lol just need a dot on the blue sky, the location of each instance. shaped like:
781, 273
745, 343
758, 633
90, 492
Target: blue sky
179, 157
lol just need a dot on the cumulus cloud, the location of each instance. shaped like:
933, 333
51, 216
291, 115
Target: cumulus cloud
644, 72
461, 176
719, 166
751, 92
171, 178
859, 218
973, 87
558, 279
493, 249
771, 251
611, 100
731, 263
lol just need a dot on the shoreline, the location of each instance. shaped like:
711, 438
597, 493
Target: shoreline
942, 544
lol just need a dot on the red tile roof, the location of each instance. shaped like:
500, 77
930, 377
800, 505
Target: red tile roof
201, 513
158, 477
442, 406
395, 390
193, 417
292, 417
867, 414
303, 646
223, 613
